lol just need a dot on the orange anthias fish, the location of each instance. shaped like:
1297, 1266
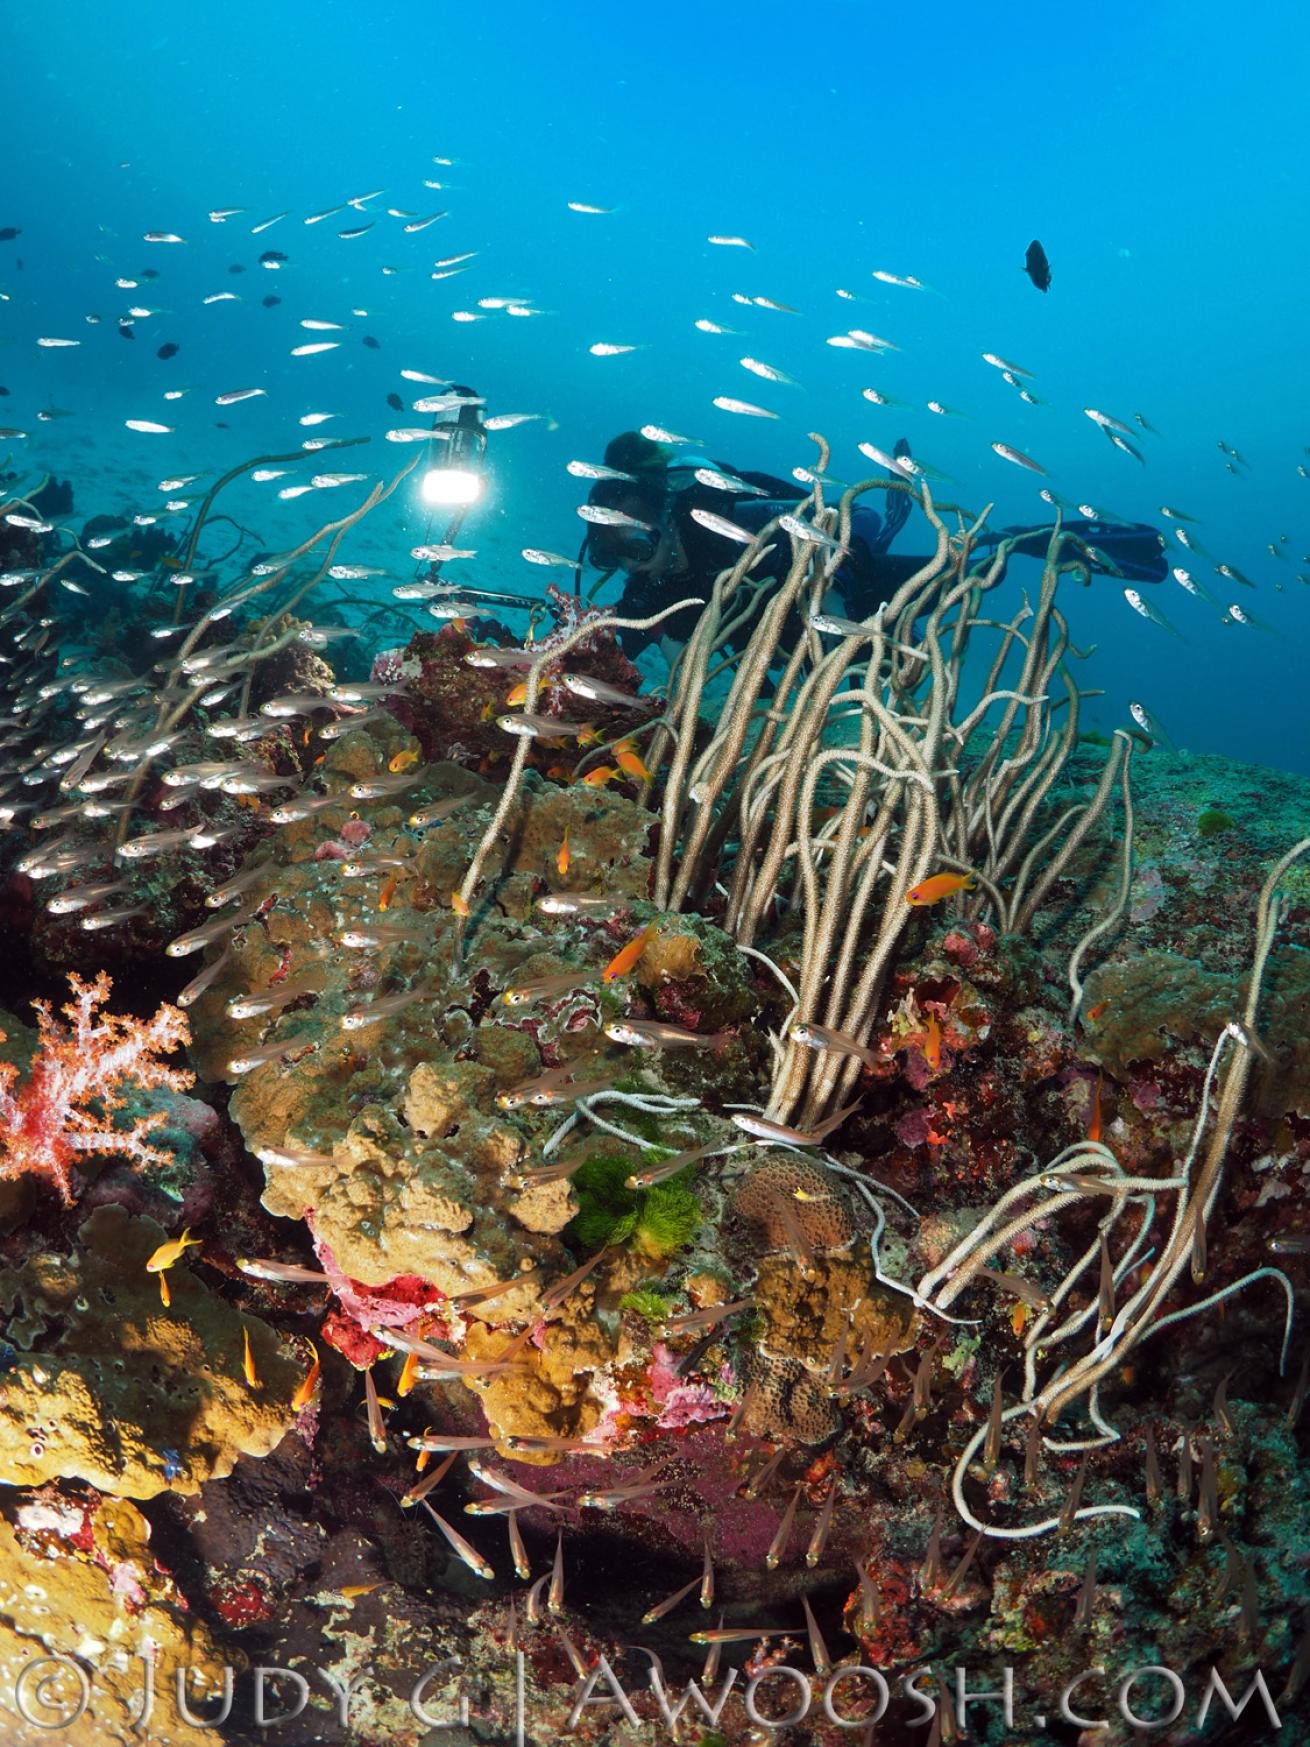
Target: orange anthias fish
596, 779
305, 1394
1094, 1116
252, 1376
627, 956
939, 886
562, 860
388, 892
404, 760
408, 1375
932, 1043
517, 694
630, 761
170, 1253
459, 905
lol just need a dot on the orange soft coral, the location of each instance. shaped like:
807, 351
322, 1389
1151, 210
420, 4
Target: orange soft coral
77, 1082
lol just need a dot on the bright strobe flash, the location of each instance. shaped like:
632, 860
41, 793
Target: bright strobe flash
451, 486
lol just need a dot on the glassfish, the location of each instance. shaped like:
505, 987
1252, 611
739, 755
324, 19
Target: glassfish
655, 1034
824, 1037
764, 1129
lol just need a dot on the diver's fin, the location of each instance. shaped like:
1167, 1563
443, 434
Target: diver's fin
897, 511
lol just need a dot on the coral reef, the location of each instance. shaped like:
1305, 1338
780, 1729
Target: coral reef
106, 1385
734, 1180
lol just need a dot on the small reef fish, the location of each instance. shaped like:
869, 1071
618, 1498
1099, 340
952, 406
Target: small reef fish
563, 859
439, 810
542, 988
726, 403
652, 1174
630, 762
375, 935
939, 886
538, 555
305, 1393
578, 904
597, 691
1003, 364
378, 787
597, 778
462, 1548
1138, 602
1018, 457
767, 372
268, 1053
280, 1271
627, 956
282, 1156
167, 1255
655, 1034
536, 727
248, 1360
199, 938
1036, 266
763, 1129
385, 1008
255, 1004
490, 656
931, 1047
823, 1037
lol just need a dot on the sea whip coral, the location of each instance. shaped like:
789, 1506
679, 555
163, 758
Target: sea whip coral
76, 1085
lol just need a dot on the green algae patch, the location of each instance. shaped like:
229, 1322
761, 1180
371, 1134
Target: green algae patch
656, 1221
1213, 822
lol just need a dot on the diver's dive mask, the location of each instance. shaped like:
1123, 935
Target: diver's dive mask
625, 546
622, 548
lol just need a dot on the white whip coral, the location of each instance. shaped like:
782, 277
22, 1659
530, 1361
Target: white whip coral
77, 1082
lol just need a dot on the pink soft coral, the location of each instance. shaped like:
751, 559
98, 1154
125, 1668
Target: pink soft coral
76, 1085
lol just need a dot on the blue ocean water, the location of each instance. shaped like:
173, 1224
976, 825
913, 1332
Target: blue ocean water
1153, 149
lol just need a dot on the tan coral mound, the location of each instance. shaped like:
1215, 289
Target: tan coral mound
78, 1579
112, 1388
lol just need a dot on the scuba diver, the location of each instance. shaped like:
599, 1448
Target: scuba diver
670, 553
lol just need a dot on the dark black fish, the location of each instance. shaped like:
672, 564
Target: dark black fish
4, 391
8, 234
148, 273
236, 267
125, 331
168, 350
1037, 267
372, 344
395, 403
221, 425
273, 258
271, 301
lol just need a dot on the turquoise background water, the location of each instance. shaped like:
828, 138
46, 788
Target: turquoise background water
1154, 149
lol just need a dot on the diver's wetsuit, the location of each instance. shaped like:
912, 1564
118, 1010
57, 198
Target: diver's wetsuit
865, 576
